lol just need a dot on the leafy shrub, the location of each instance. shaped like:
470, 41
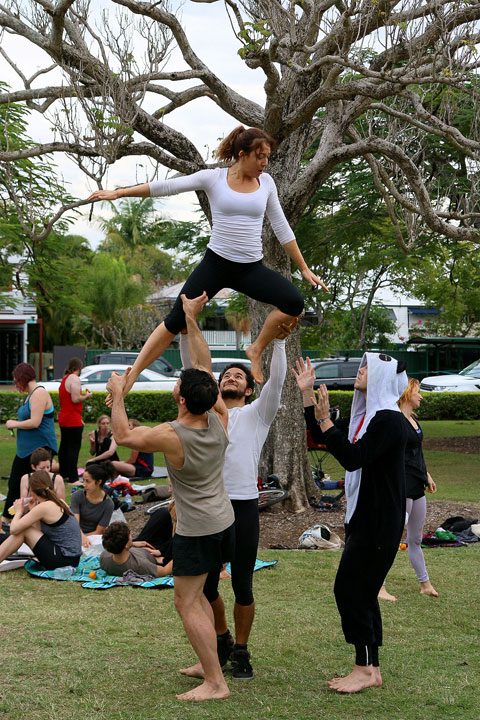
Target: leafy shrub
160, 406
145, 406
435, 405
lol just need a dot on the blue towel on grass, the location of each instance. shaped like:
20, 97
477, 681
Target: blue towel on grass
104, 581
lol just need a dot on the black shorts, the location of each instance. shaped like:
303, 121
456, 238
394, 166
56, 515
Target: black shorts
142, 471
51, 557
202, 554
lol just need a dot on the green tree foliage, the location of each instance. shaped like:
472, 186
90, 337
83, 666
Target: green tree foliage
135, 231
109, 289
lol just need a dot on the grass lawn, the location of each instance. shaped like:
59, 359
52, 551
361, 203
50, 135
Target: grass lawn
73, 653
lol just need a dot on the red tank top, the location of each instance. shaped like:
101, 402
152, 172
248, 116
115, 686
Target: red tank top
70, 414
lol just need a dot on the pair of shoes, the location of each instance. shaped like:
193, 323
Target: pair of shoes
224, 649
241, 667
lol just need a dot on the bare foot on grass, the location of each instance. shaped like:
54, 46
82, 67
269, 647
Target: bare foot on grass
195, 671
385, 595
426, 588
255, 358
206, 691
360, 678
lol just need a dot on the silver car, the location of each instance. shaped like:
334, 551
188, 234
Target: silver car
95, 378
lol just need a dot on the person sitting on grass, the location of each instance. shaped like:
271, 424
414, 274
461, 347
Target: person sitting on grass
92, 506
102, 443
49, 528
139, 464
41, 459
121, 553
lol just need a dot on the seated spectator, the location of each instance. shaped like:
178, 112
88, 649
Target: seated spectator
122, 554
139, 464
41, 459
159, 528
49, 528
92, 506
102, 443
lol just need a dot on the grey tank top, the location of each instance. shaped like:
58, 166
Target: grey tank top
202, 504
66, 535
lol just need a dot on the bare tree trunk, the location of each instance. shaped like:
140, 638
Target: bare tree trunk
285, 451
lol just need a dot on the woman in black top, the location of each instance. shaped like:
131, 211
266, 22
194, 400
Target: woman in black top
417, 480
102, 443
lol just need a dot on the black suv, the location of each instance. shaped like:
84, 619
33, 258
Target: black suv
127, 357
336, 373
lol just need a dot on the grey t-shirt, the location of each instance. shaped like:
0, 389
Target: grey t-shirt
140, 561
91, 514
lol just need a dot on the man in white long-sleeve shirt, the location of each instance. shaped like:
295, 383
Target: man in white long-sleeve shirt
248, 427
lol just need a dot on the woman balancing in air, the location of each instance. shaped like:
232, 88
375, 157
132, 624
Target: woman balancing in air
239, 197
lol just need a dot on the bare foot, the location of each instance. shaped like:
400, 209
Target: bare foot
195, 671
256, 360
360, 678
426, 588
206, 691
385, 595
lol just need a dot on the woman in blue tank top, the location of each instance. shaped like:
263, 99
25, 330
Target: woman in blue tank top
35, 428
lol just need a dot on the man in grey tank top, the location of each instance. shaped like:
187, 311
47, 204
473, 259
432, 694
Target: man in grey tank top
194, 446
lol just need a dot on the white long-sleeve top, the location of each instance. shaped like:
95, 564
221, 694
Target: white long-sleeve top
237, 218
248, 427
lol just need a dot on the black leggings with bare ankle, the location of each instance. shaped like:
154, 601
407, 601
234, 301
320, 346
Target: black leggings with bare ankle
253, 279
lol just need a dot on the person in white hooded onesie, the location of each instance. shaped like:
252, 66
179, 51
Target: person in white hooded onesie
372, 452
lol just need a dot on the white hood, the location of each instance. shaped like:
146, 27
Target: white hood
384, 388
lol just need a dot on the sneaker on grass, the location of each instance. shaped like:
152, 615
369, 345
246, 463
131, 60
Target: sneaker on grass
241, 667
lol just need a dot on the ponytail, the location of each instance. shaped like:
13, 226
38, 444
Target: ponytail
41, 484
242, 139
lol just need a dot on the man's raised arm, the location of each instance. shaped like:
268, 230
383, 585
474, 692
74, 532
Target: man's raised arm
143, 438
199, 351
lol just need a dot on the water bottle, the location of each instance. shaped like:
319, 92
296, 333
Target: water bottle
128, 499
63, 573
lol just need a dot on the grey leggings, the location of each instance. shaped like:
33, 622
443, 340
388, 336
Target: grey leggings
417, 511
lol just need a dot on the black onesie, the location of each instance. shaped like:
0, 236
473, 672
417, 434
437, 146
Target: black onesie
373, 534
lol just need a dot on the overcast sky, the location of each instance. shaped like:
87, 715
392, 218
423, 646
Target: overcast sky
211, 36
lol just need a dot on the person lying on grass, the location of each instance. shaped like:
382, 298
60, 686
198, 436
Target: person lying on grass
121, 553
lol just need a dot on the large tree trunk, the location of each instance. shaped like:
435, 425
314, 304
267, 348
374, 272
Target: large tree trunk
285, 451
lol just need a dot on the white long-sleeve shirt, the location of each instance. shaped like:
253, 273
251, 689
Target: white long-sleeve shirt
248, 427
237, 218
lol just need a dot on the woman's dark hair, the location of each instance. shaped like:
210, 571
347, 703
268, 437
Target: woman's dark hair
41, 484
39, 455
115, 537
243, 139
101, 472
73, 364
199, 389
23, 374
248, 375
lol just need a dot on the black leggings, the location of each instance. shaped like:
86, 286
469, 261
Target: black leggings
363, 567
70, 443
247, 533
20, 467
252, 279
158, 532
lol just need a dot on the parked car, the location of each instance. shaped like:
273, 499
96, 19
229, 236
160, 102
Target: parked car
467, 380
127, 357
220, 363
95, 378
336, 373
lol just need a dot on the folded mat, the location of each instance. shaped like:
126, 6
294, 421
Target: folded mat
104, 581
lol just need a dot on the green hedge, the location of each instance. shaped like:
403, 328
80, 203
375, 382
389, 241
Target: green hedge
435, 405
160, 406
152, 406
